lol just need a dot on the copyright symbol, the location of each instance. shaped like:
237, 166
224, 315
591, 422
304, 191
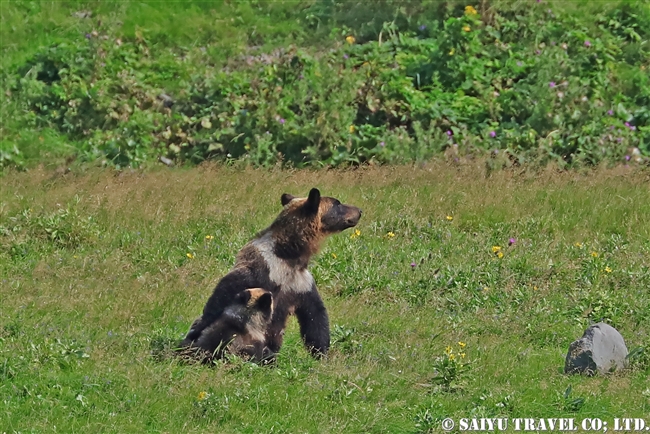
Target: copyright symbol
447, 424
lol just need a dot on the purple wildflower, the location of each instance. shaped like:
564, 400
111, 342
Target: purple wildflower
610, 112
627, 158
511, 241
493, 134
87, 35
346, 57
551, 84
413, 265
632, 128
538, 52
382, 144
587, 44
449, 133
282, 121
627, 124
423, 27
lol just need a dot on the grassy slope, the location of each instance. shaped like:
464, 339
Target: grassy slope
28, 26
172, 29
226, 27
125, 285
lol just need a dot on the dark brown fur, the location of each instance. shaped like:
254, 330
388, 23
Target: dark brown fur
276, 260
240, 330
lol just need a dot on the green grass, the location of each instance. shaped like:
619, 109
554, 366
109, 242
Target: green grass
27, 26
96, 281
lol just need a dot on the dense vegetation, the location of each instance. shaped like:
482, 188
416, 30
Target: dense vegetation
324, 82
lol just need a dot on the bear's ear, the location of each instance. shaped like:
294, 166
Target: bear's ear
243, 297
313, 201
286, 198
265, 301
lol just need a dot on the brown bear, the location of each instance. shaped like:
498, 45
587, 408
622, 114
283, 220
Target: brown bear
276, 260
240, 329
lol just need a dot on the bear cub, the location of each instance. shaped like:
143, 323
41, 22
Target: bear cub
276, 260
239, 330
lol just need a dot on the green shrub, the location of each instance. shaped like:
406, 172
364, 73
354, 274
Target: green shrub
399, 82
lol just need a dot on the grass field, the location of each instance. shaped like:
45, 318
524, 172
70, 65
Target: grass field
101, 270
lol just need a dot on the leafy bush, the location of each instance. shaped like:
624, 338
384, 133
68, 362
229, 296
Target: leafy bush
399, 82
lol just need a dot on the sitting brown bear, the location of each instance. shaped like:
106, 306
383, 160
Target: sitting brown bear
276, 260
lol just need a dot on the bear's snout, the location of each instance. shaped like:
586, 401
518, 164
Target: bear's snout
353, 216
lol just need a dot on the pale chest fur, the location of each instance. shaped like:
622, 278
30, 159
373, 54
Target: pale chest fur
280, 272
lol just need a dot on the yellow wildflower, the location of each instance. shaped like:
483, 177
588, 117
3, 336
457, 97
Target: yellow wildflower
496, 249
390, 234
452, 357
469, 10
499, 255
451, 52
209, 237
462, 355
462, 344
448, 350
608, 269
594, 254
466, 28
351, 129
333, 255
350, 39
190, 255
578, 245
202, 395
356, 234
450, 217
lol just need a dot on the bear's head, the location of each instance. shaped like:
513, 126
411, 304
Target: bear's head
306, 221
327, 214
253, 302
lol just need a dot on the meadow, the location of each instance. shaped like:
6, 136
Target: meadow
499, 151
457, 296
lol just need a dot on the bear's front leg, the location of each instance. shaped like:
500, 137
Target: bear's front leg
192, 334
275, 331
314, 323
